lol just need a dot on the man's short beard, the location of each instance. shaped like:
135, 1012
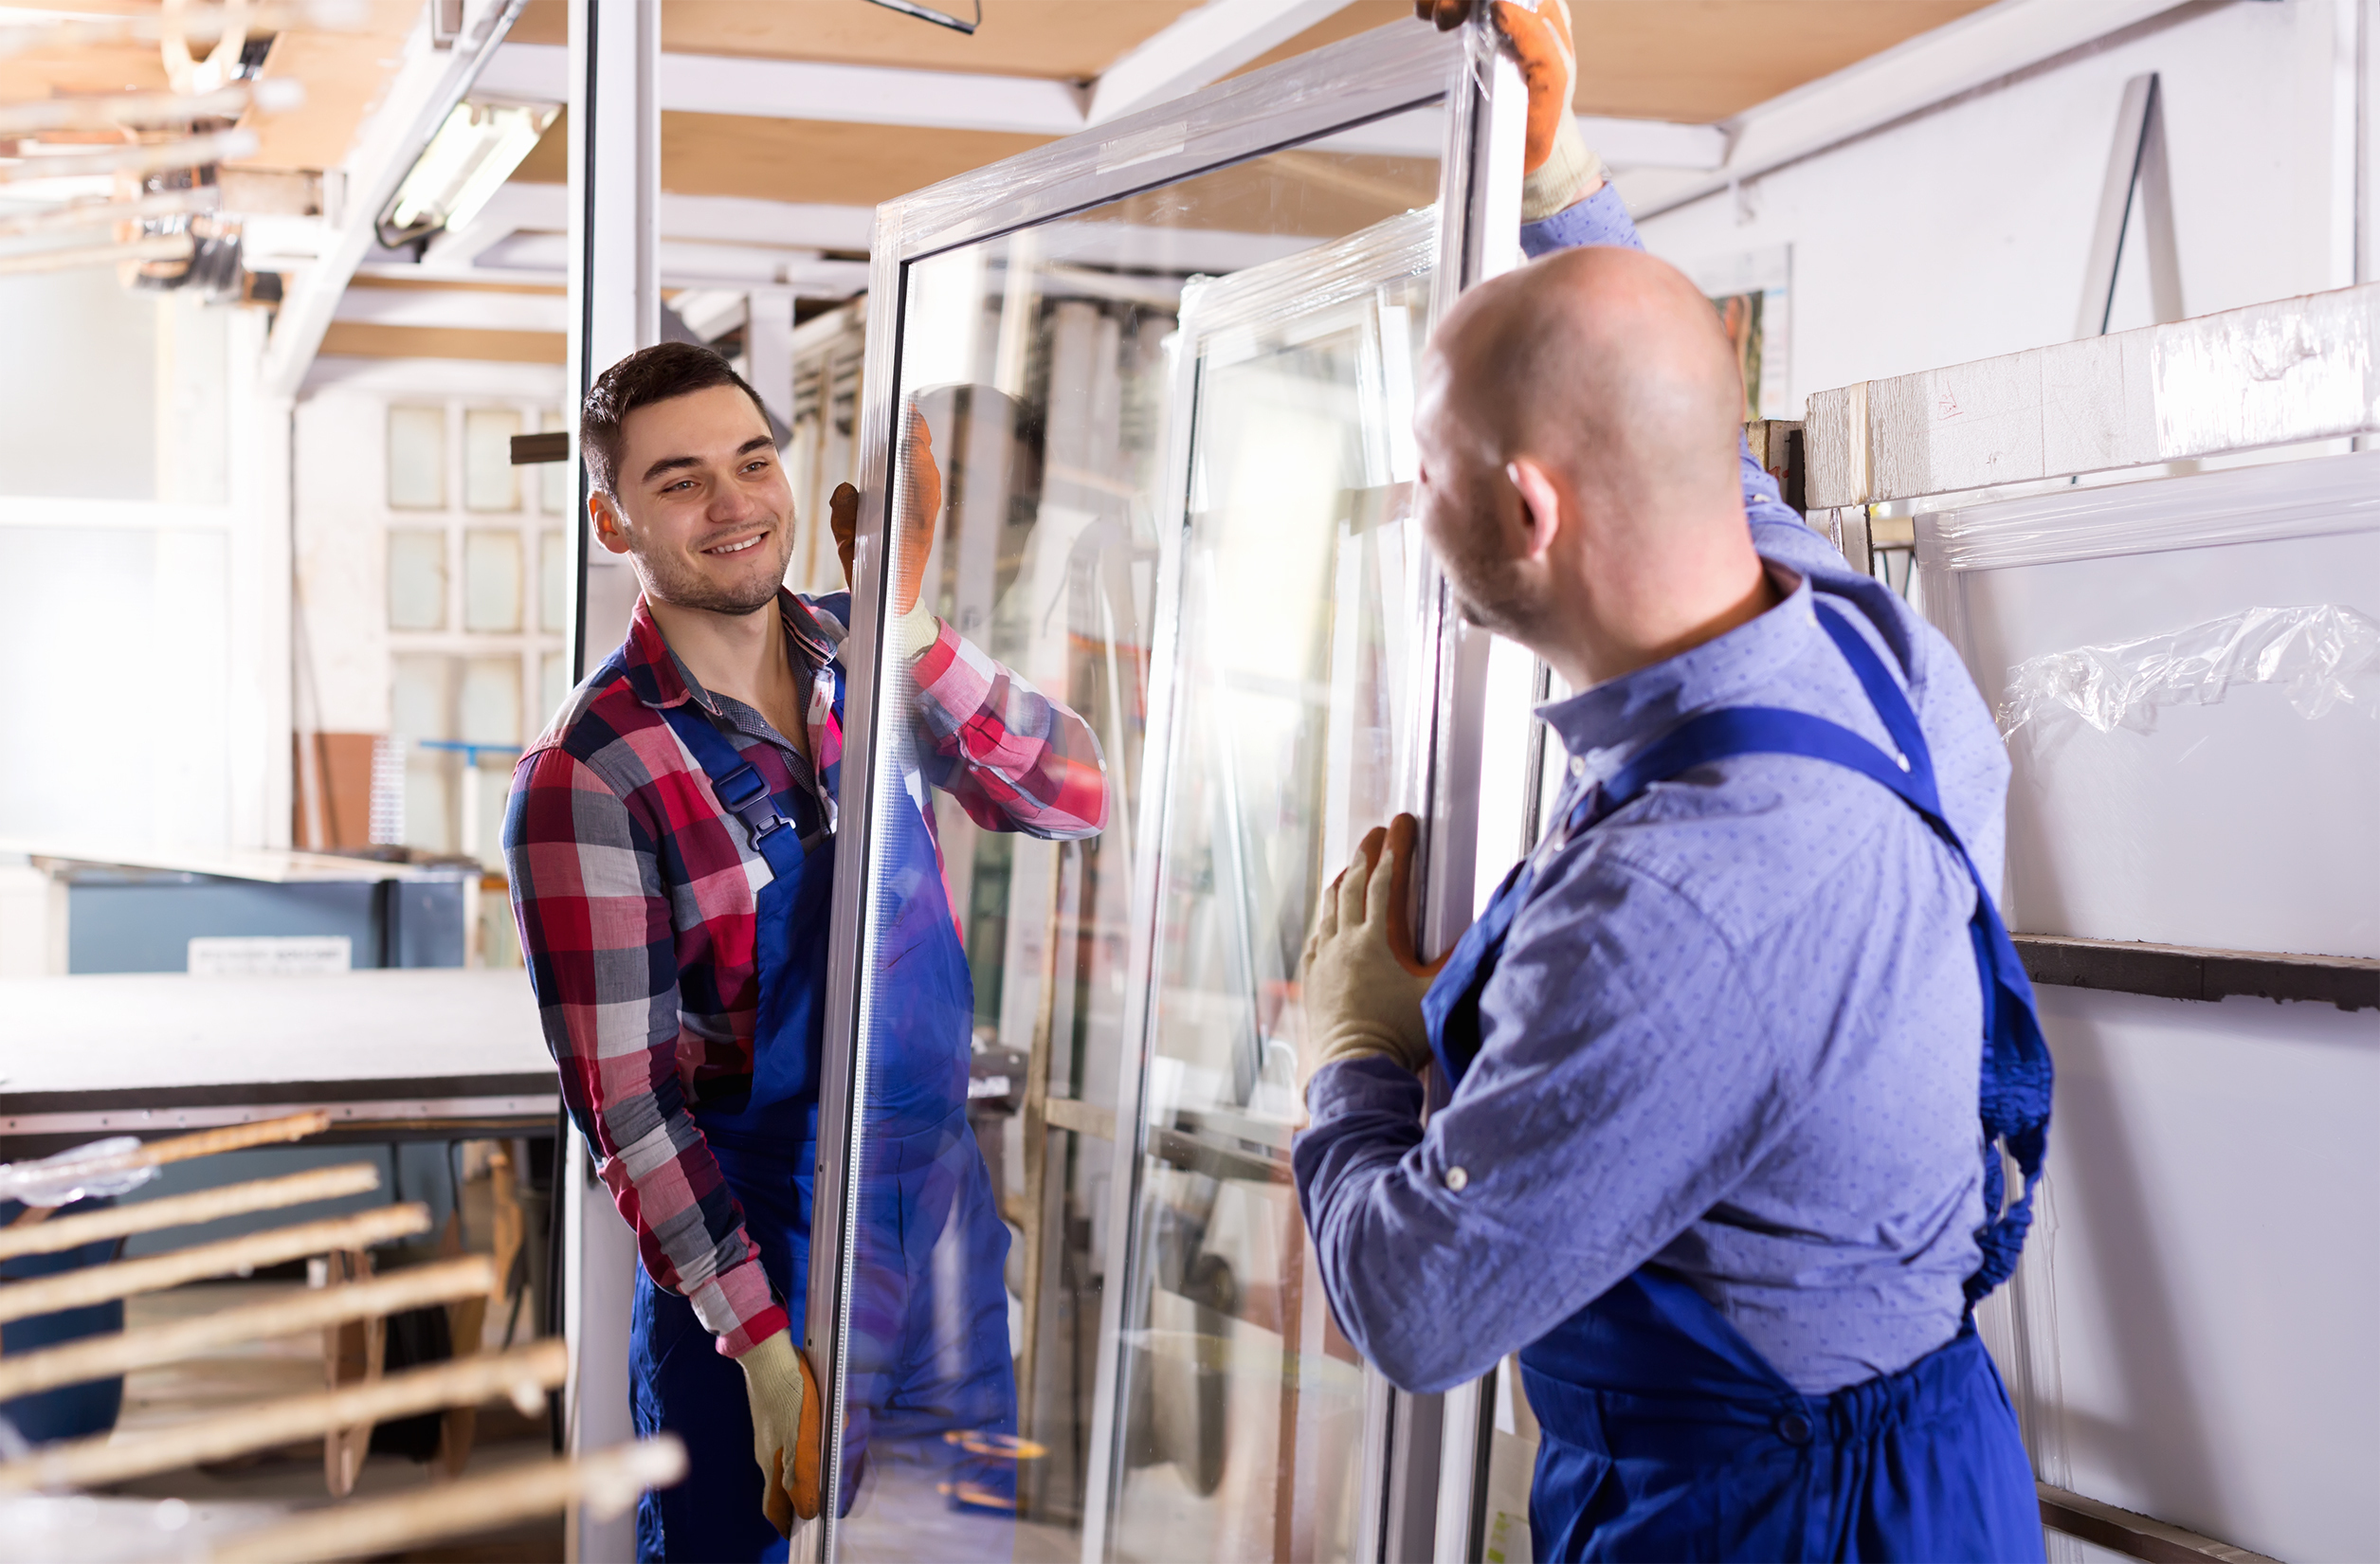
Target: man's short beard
689, 590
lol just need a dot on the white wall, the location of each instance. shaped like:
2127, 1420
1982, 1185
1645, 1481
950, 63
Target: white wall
1966, 231
155, 624
2177, 1341
78, 407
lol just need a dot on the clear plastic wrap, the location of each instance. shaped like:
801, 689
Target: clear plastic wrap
2303, 499
2318, 652
101, 1168
2276, 374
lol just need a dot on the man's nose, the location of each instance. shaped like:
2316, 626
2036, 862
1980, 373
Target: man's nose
732, 502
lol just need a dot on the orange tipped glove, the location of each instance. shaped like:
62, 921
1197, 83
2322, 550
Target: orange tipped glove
785, 1429
1360, 979
913, 628
1559, 170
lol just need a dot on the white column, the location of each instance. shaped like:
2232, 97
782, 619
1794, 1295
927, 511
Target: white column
615, 308
769, 349
614, 226
258, 430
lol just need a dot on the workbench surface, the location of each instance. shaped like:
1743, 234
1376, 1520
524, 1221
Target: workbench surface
415, 1051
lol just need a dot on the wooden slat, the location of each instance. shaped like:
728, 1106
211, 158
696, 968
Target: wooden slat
115, 1458
180, 1148
262, 1194
609, 1483
2135, 1536
357, 339
1068, 1113
99, 1284
103, 1356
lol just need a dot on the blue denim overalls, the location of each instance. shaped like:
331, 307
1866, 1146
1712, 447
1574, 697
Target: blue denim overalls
1666, 1435
929, 1374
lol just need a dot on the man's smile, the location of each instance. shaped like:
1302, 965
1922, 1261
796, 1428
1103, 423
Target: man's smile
737, 546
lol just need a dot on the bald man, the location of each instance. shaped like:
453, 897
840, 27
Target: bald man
1724, 1049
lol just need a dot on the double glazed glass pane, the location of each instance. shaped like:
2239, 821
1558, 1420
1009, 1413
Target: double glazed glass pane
1301, 646
1060, 513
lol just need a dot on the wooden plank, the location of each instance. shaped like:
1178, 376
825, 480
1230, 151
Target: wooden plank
1071, 1112
2135, 1536
103, 1357
262, 1194
180, 1148
609, 1483
466, 1382
101, 1283
357, 339
2183, 971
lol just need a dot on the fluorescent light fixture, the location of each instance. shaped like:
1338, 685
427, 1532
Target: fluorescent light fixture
472, 155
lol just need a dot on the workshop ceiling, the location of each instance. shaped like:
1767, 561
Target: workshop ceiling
1692, 60
801, 189
1061, 40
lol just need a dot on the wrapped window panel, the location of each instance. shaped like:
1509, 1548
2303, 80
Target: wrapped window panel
2186, 671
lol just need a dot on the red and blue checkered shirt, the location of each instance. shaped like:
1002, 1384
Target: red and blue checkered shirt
635, 894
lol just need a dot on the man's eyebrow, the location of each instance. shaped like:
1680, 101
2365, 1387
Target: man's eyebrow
669, 463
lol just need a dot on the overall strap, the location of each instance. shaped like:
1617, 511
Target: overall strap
741, 790
2014, 1097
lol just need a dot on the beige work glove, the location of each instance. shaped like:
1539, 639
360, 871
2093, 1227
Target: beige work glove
785, 1423
1360, 981
1557, 169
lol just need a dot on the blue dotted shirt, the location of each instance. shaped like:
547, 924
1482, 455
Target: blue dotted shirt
1735, 1033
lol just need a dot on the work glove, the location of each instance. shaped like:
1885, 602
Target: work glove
1360, 979
785, 1429
913, 628
1558, 170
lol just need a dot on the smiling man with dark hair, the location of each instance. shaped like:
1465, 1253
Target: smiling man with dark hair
671, 844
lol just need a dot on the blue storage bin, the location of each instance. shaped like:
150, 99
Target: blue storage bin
70, 1412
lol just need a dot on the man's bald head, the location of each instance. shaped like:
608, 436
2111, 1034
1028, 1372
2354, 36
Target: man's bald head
1579, 423
1604, 364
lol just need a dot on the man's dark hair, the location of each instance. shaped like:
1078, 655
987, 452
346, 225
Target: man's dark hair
643, 377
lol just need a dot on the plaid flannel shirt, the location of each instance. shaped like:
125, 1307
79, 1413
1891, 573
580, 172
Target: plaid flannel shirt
635, 894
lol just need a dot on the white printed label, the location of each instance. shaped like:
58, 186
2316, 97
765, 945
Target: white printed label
271, 955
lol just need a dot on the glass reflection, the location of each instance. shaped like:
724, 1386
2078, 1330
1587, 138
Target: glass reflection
1041, 377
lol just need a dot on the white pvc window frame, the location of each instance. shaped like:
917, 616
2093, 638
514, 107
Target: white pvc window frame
1394, 69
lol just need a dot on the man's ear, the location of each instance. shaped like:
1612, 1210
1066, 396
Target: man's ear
1542, 516
610, 526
